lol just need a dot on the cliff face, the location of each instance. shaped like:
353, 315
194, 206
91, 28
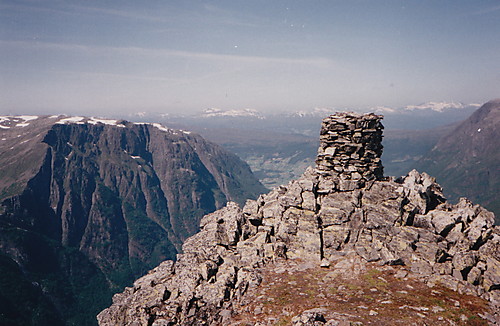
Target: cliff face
338, 220
101, 202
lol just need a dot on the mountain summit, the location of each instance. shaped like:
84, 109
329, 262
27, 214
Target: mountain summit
88, 205
341, 245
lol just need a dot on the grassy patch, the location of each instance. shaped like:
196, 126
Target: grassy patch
371, 277
282, 322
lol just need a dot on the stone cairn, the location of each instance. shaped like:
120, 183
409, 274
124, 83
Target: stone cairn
350, 149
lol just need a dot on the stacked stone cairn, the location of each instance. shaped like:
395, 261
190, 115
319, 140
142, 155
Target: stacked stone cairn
350, 149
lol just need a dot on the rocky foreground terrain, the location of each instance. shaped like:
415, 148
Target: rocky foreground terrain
341, 245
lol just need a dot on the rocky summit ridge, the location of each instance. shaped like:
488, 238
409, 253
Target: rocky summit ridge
340, 217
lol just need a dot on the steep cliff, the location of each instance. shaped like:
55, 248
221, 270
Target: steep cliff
88, 205
315, 242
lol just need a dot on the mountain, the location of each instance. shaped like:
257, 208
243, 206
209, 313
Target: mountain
306, 122
411, 117
341, 245
435, 106
88, 205
466, 161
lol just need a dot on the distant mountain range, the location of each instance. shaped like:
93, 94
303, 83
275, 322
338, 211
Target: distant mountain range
214, 112
316, 112
307, 122
430, 106
88, 205
424, 107
279, 146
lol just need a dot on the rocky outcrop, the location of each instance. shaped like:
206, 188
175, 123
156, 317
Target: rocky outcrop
404, 222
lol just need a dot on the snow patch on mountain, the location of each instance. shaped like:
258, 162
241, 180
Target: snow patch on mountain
27, 118
383, 109
77, 120
6, 122
439, 106
110, 122
163, 128
160, 127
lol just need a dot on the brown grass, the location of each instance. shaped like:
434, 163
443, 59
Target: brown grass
396, 301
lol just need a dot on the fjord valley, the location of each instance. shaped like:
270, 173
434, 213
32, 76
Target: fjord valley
88, 205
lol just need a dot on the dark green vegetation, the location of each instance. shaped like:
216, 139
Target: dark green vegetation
19, 294
466, 161
88, 208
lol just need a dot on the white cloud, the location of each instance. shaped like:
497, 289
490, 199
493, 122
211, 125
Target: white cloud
318, 62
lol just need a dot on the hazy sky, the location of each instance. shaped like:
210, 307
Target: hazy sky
165, 56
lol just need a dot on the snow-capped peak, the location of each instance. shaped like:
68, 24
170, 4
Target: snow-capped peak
438, 106
316, 112
215, 112
92, 120
382, 109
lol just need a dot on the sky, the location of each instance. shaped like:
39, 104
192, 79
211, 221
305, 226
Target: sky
119, 56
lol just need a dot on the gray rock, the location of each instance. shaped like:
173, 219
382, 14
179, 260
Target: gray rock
443, 221
311, 317
465, 260
491, 277
334, 237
